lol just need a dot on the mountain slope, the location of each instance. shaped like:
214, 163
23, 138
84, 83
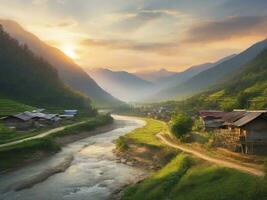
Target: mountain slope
154, 76
181, 77
246, 90
214, 76
69, 72
31, 80
123, 85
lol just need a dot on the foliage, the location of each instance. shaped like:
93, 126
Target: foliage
181, 124
9, 107
121, 145
15, 155
31, 80
91, 124
187, 179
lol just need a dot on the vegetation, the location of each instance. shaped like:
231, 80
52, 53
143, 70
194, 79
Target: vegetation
181, 125
31, 80
22, 153
187, 179
144, 140
9, 107
91, 124
247, 90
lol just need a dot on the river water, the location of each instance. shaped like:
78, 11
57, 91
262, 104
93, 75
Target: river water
93, 173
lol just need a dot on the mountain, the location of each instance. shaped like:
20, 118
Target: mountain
154, 75
71, 74
121, 84
31, 80
212, 77
180, 77
246, 90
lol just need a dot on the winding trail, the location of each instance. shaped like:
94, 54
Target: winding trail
203, 156
42, 135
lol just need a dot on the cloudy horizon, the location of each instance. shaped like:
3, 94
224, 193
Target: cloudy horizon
142, 34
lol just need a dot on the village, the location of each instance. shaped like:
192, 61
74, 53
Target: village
36, 119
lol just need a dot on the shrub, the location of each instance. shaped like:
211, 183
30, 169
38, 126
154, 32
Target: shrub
181, 124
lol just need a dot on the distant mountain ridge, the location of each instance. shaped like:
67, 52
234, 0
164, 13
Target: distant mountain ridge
212, 77
121, 84
72, 74
154, 75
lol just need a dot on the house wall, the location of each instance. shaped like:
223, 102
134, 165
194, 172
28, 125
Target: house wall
228, 138
19, 124
257, 130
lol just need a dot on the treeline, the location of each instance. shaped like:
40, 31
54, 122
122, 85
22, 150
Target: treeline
31, 80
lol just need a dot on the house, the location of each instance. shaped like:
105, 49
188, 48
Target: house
244, 131
20, 121
69, 114
27, 120
212, 119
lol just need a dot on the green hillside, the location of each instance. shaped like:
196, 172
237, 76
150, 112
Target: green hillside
31, 80
9, 107
248, 89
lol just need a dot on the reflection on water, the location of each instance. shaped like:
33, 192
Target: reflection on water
93, 174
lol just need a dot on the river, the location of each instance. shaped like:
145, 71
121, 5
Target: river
92, 171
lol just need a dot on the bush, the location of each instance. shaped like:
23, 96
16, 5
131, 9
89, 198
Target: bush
181, 125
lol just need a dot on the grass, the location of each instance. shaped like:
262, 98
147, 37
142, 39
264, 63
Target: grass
10, 107
143, 144
185, 178
16, 155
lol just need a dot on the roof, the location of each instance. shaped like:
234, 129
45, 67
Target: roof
214, 123
247, 118
233, 116
23, 116
212, 113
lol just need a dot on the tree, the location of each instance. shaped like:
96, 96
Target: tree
181, 124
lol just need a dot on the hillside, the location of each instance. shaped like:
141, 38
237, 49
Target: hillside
121, 84
31, 80
246, 90
10, 107
214, 76
71, 74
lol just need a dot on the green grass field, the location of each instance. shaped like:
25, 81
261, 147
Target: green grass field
143, 144
10, 107
185, 178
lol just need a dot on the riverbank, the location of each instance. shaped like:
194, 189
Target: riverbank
27, 152
141, 147
185, 177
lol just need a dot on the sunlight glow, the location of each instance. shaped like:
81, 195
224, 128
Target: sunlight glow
69, 50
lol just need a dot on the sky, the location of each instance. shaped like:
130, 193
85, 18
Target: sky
135, 35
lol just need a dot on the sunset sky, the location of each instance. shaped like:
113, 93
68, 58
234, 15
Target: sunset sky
142, 34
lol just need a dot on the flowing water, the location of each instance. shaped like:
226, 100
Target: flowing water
92, 172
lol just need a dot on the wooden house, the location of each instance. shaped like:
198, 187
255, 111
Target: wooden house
211, 119
21, 121
244, 131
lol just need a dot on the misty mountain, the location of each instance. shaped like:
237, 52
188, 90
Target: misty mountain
29, 79
154, 75
183, 76
121, 84
246, 90
212, 77
71, 74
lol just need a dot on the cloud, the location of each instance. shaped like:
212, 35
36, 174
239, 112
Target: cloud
159, 48
232, 27
39, 2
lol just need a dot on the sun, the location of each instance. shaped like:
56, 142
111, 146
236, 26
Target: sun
69, 50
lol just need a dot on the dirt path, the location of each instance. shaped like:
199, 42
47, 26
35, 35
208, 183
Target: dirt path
41, 135
203, 156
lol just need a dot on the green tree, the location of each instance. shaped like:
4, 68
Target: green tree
181, 124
